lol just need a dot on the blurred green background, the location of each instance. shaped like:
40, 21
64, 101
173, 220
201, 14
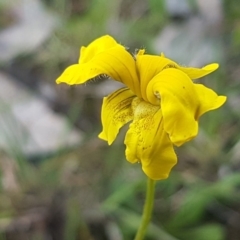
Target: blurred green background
87, 190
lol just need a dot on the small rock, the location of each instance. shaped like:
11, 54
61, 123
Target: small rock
189, 44
196, 41
28, 125
33, 27
178, 9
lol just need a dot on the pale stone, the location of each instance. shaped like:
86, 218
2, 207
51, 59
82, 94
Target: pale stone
33, 26
28, 125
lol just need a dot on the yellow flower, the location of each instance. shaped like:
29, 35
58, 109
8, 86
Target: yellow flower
160, 99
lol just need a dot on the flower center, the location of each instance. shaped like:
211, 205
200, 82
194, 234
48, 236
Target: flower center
143, 109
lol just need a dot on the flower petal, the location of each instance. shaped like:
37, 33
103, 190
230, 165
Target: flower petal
116, 111
195, 73
97, 46
208, 99
99, 59
179, 103
148, 143
158, 160
70, 75
149, 66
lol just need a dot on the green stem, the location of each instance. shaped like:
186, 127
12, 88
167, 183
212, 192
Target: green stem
147, 211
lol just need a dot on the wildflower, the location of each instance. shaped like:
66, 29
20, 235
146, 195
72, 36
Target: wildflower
160, 98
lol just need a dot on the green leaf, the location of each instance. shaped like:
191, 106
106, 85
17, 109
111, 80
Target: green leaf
192, 209
123, 194
209, 231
